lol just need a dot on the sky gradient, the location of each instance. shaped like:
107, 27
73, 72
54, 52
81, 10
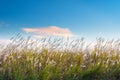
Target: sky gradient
84, 18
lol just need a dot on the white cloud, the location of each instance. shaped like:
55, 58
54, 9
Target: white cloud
49, 31
4, 41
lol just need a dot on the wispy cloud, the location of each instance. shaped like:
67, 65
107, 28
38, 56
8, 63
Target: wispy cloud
3, 24
49, 31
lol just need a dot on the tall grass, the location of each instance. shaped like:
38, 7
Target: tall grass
60, 59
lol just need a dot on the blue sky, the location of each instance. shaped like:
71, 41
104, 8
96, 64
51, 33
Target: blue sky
87, 18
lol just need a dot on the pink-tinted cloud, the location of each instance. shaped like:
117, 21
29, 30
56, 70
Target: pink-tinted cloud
49, 31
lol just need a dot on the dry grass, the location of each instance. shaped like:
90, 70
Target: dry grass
57, 59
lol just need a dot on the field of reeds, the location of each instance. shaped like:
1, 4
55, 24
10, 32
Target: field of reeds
60, 59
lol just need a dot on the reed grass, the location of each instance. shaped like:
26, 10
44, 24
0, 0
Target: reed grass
60, 59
